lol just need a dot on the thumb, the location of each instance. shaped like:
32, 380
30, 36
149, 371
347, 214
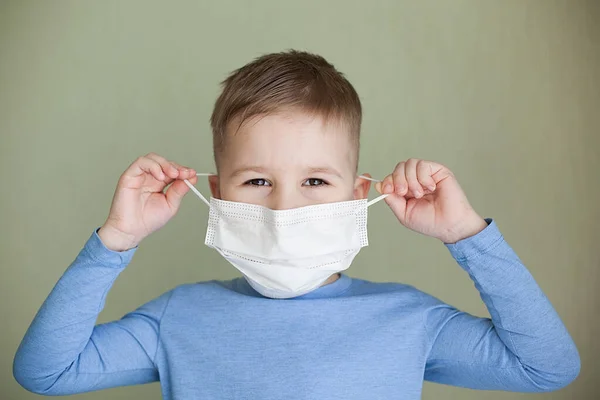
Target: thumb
176, 191
398, 205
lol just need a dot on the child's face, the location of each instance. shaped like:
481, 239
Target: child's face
286, 161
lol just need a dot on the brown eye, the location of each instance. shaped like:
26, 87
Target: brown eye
258, 182
314, 182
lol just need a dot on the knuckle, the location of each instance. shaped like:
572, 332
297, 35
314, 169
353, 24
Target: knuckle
156, 167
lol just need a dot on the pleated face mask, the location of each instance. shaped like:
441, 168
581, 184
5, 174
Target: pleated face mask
287, 253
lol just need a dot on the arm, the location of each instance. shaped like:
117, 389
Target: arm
524, 347
63, 352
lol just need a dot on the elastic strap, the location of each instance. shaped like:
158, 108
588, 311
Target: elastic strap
196, 192
376, 199
369, 179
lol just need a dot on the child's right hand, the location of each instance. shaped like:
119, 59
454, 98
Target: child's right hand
139, 206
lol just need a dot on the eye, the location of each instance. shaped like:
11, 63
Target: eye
258, 182
314, 182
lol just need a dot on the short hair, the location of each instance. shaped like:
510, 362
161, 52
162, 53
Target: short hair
290, 80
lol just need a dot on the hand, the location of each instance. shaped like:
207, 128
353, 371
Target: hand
140, 206
426, 198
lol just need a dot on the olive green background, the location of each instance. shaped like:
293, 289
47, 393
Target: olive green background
506, 93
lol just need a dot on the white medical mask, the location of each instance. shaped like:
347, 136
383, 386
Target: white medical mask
287, 253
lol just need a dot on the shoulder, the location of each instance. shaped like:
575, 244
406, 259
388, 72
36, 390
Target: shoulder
189, 298
205, 288
393, 291
206, 292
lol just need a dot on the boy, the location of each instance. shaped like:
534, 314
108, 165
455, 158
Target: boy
286, 137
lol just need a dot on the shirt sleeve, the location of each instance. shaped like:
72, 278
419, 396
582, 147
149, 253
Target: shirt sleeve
65, 352
523, 347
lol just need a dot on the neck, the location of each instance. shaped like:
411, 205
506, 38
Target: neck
331, 279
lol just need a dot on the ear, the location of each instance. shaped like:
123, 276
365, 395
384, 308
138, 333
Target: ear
361, 187
213, 182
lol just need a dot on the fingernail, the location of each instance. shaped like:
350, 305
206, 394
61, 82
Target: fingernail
400, 188
387, 188
431, 187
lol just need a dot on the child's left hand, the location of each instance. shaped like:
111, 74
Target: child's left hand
426, 198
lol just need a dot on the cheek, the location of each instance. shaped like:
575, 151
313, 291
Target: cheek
330, 194
229, 194
244, 194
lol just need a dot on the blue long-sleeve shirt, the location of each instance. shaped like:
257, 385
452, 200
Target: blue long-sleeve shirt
351, 339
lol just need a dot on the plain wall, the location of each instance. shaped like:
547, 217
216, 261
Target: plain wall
506, 93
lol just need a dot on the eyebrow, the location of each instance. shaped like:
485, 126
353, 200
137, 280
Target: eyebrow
240, 171
311, 170
324, 170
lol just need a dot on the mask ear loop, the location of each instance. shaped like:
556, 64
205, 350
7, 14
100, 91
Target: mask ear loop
376, 199
196, 192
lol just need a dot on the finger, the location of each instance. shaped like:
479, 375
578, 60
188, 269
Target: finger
184, 172
177, 168
176, 191
398, 205
187, 173
425, 175
399, 176
378, 187
386, 186
144, 165
169, 168
438, 172
411, 177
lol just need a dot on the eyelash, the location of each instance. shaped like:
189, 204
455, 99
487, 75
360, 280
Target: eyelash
322, 182
252, 182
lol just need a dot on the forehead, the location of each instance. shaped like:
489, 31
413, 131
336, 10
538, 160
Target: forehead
288, 140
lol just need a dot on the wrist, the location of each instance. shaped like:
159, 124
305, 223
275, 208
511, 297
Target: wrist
116, 240
468, 227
